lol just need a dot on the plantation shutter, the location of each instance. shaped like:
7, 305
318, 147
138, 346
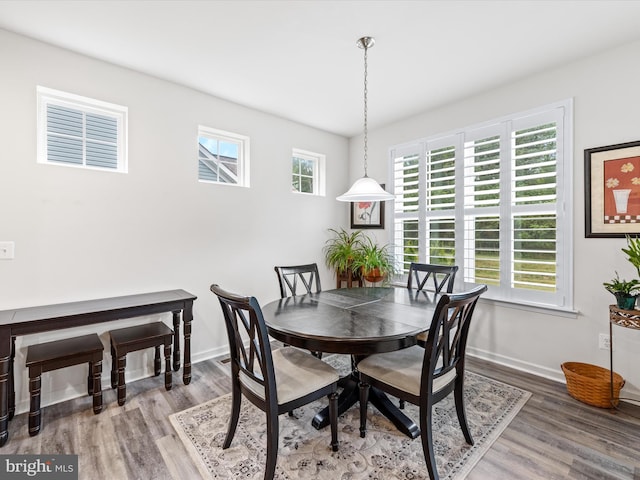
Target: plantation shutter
406, 165
492, 199
481, 200
534, 203
80, 138
440, 177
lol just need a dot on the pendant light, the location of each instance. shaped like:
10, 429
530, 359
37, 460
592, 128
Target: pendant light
365, 189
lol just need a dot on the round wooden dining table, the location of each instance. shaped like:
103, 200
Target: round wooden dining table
358, 322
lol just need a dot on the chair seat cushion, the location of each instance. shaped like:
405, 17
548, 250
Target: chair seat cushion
297, 374
402, 369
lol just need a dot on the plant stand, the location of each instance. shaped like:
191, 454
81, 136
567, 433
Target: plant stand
626, 319
350, 277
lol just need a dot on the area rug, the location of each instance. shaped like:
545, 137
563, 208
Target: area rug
384, 454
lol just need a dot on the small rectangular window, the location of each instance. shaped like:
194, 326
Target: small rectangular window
81, 132
223, 157
307, 172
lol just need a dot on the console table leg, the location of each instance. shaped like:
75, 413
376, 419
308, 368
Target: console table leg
176, 340
12, 390
187, 317
613, 402
5, 362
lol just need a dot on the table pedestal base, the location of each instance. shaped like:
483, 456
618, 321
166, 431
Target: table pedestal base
350, 396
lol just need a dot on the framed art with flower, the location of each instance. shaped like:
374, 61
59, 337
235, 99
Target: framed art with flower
612, 190
367, 214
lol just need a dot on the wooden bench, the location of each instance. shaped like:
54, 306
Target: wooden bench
46, 318
45, 357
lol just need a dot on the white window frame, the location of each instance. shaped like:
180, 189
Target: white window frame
243, 142
319, 161
48, 96
562, 113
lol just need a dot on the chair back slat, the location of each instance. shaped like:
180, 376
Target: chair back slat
440, 276
446, 344
305, 276
250, 350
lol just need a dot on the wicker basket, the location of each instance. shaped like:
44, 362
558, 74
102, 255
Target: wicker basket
591, 384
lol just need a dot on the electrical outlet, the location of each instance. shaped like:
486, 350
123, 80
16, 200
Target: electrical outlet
7, 250
603, 341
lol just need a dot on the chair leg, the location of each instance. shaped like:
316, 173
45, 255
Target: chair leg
364, 399
333, 419
427, 441
236, 399
458, 395
272, 443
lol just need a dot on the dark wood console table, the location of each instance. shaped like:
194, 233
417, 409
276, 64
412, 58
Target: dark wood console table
25, 321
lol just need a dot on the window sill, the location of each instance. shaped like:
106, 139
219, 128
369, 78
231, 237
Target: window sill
531, 307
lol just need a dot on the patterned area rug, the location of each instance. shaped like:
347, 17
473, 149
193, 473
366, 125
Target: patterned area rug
384, 454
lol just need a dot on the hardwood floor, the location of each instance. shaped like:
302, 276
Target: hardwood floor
552, 437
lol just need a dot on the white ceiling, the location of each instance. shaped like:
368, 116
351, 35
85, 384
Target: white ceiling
299, 59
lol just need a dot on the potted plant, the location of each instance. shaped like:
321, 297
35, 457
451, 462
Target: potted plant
624, 291
633, 252
341, 250
374, 261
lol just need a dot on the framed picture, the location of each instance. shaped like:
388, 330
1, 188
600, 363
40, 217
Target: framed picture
612, 190
367, 214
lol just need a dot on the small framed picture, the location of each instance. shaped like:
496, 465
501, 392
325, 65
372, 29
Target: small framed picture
612, 190
367, 214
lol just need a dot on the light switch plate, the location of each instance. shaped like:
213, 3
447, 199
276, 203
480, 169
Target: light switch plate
7, 250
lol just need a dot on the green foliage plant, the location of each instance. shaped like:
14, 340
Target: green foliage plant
618, 286
633, 252
372, 256
341, 250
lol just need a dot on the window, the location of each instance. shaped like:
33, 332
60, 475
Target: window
223, 157
81, 132
492, 199
307, 172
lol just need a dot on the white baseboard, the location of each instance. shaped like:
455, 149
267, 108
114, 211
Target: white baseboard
545, 372
79, 390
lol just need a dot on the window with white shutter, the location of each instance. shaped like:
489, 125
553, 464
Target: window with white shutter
492, 199
223, 157
81, 132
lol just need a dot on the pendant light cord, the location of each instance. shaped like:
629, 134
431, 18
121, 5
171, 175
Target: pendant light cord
365, 109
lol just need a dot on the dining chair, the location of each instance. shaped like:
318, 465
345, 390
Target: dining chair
275, 381
440, 275
290, 277
424, 376
432, 278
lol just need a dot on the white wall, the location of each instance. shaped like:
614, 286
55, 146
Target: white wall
82, 234
606, 95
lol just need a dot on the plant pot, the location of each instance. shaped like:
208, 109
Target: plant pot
625, 301
373, 276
